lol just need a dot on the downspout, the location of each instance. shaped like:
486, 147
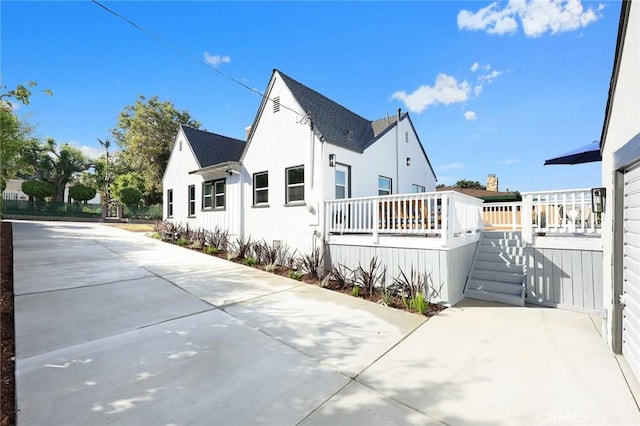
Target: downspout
311, 155
397, 155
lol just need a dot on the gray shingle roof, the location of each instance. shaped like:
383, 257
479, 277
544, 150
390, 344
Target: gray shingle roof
379, 126
211, 148
334, 122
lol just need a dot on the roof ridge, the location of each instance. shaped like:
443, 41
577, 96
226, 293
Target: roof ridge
212, 133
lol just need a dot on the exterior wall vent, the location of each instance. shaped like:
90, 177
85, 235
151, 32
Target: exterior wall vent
276, 104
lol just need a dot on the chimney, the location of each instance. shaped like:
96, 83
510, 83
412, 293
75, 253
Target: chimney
247, 131
492, 183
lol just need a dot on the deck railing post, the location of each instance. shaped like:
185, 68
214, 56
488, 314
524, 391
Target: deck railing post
445, 226
376, 218
527, 218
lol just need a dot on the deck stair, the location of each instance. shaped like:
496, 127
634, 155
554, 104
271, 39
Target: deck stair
498, 273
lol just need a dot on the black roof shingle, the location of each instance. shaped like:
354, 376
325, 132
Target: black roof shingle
210, 148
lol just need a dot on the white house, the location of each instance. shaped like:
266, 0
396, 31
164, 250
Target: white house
620, 147
302, 149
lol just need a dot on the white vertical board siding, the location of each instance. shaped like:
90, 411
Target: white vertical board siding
448, 268
565, 278
631, 269
229, 218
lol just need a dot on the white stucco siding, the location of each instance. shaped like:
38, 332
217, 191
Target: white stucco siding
624, 125
177, 178
281, 141
380, 160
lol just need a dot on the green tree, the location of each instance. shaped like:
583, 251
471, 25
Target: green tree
473, 184
15, 132
80, 192
55, 165
38, 189
130, 197
146, 131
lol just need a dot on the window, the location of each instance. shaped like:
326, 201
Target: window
417, 188
213, 194
343, 181
295, 184
261, 188
384, 185
276, 104
192, 200
169, 202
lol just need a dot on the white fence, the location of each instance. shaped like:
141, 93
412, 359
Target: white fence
445, 214
502, 215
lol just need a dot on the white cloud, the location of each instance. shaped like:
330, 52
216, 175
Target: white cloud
475, 67
508, 162
92, 152
536, 16
490, 76
215, 60
451, 166
470, 115
446, 90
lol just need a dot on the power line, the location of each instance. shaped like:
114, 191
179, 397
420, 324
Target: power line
187, 55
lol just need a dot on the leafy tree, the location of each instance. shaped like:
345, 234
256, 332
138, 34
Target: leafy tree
130, 197
57, 166
38, 189
473, 184
80, 192
15, 133
146, 131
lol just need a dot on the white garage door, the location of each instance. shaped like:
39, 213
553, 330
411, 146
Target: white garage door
631, 274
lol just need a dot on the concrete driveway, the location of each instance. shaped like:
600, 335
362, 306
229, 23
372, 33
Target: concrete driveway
117, 328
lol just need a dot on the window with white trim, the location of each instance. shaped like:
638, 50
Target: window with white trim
384, 185
417, 188
261, 188
294, 184
192, 200
169, 202
213, 194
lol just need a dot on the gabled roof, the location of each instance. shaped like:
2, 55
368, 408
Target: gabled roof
210, 148
335, 123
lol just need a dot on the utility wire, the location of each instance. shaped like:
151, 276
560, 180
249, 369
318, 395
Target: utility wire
187, 55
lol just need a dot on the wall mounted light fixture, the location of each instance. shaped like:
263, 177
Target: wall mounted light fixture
332, 160
408, 161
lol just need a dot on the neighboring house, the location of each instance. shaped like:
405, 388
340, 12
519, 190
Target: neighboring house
302, 149
491, 194
620, 147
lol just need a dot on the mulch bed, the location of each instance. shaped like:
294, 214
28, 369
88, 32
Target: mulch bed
7, 330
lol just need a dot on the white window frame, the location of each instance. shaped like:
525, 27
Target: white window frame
169, 202
288, 185
191, 196
262, 189
415, 188
386, 191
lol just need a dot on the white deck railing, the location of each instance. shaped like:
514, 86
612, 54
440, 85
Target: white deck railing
566, 211
446, 214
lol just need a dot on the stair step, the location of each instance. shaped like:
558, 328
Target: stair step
495, 297
503, 235
501, 257
498, 265
513, 250
501, 242
496, 287
505, 277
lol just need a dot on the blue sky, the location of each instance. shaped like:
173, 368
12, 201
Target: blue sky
491, 87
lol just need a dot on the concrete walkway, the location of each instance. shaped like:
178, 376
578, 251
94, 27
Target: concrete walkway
117, 328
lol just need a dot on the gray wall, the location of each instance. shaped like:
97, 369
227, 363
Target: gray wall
447, 267
565, 278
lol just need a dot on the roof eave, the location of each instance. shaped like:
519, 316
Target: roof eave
227, 165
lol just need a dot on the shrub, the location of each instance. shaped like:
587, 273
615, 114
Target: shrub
242, 247
355, 291
312, 263
211, 250
417, 290
295, 275
369, 278
129, 196
217, 238
38, 189
271, 253
342, 275
257, 249
183, 241
250, 261
80, 192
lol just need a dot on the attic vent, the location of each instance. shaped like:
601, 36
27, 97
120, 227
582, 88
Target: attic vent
349, 134
180, 146
276, 104
406, 137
